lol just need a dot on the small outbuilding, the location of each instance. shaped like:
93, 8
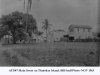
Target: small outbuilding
7, 39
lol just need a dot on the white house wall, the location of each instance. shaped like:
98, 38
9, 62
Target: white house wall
58, 35
82, 34
55, 36
50, 36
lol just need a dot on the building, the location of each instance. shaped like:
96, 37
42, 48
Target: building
80, 31
55, 35
7, 39
58, 34
50, 36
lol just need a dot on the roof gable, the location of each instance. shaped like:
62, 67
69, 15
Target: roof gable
79, 26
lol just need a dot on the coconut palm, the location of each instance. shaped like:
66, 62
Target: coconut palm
46, 27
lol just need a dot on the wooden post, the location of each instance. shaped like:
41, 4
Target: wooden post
98, 51
27, 17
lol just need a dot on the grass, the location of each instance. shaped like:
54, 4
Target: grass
53, 54
13, 59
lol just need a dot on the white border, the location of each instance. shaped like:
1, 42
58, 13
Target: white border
50, 70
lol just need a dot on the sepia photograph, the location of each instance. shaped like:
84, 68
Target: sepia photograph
49, 33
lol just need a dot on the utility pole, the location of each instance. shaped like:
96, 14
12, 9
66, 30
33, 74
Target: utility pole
98, 51
29, 3
28, 8
27, 14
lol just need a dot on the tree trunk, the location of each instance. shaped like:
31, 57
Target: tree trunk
14, 40
14, 37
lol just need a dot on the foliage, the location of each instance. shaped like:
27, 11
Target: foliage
52, 54
46, 26
14, 24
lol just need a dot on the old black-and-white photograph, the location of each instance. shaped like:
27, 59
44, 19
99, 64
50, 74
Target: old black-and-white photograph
48, 33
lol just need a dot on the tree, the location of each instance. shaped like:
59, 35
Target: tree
38, 32
14, 24
46, 26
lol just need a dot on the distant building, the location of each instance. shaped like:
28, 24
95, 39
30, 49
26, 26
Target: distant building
95, 35
80, 31
58, 34
50, 36
7, 39
55, 35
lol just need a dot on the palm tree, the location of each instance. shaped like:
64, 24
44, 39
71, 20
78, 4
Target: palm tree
46, 27
28, 7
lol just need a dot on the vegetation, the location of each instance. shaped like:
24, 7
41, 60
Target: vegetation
61, 54
14, 25
46, 27
13, 59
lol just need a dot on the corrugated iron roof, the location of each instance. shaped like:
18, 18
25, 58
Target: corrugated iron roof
59, 30
79, 26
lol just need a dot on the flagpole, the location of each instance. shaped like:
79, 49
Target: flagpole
24, 5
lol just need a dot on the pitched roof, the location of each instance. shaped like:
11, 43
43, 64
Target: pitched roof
59, 30
79, 26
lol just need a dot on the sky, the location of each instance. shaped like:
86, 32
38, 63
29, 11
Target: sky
60, 13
